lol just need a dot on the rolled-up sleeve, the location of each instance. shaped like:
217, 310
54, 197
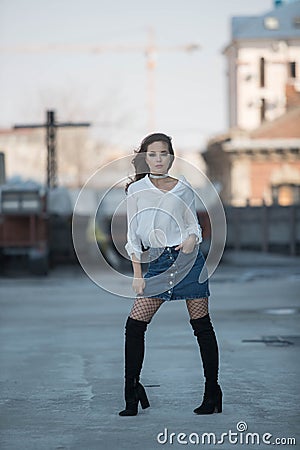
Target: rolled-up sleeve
133, 245
190, 217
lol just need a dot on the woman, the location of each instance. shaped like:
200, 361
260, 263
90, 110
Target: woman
162, 219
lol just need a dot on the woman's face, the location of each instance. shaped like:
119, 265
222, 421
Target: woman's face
158, 157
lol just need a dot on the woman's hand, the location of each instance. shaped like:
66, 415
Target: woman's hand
138, 285
188, 245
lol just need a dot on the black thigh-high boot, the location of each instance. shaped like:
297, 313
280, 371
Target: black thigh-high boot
212, 399
134, 356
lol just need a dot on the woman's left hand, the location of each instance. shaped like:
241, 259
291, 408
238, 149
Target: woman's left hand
188, 245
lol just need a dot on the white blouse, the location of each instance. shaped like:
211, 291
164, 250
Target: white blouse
160, 219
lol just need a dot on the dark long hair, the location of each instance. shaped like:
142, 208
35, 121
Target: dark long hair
139, 162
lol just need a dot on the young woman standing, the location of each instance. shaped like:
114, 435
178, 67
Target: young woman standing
162, 219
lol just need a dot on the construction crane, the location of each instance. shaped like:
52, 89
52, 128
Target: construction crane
150, 50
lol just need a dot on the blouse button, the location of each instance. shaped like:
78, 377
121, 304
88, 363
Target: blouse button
169, 292
171, 282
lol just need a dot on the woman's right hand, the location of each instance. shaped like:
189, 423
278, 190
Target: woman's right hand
138, 285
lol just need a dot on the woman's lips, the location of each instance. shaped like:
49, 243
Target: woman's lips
159, 165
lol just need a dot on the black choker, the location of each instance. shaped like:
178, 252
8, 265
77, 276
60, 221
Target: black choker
162, 175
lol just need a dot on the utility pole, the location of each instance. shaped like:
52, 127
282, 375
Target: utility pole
51, 126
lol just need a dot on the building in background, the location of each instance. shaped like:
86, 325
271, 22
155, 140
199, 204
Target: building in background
258, 160
260, 166
263, 56
78, 156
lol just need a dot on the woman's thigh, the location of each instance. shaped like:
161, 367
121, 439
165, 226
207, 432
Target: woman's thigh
145, 308
197, 307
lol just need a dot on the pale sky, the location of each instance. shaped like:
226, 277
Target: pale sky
110, 88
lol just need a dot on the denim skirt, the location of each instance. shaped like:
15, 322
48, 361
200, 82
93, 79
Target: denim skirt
174, 275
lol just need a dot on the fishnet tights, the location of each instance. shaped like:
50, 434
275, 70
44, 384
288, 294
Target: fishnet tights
197, 308
145, 308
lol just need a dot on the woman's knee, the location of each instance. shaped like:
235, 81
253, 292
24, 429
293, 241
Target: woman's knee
135, 328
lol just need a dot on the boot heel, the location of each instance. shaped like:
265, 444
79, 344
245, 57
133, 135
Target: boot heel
212, 402
218, 408
143, 397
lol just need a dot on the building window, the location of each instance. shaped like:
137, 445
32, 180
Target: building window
262, 72
286, 194
271, 23
297, 22
293, 70
262, 109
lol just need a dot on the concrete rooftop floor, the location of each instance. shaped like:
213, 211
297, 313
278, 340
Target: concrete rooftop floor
61, 357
